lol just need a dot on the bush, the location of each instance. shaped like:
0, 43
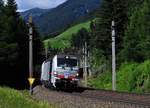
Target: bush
103, 81
131, 77
137, 35
134, 77
125, 77
10, 98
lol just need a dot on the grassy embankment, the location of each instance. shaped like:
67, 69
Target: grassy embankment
10, 98
63, 40
131, 77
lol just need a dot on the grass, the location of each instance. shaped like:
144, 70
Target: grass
103, 81
63, 40
10, 98
131, 77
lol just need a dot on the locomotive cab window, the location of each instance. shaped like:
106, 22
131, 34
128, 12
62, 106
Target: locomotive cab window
67, 62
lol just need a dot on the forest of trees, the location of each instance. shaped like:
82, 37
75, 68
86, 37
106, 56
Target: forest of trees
132, 26
14, 46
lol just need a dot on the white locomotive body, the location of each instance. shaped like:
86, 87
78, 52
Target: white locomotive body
60, 72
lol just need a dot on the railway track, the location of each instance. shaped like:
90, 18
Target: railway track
133, 98
91, 98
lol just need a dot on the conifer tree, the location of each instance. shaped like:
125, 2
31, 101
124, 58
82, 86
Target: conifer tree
121, 18
110, 10
80, 38
14, 46
137, 38
10, 19
102, 31
2, 15
1, 6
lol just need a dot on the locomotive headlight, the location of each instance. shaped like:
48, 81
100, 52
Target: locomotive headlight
77, 74
55, 73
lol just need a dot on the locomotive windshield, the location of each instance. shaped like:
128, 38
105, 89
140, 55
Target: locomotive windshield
66, 62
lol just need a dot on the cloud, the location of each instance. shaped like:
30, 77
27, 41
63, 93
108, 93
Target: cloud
44, 4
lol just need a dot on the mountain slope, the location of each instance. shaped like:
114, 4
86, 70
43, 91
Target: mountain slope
63, 40
35, 12
64, 15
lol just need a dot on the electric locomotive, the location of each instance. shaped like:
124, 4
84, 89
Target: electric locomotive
61, 71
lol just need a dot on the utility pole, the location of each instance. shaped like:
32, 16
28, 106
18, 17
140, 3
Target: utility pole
31, 80
85, 63
46, 53
113, 57
88, 63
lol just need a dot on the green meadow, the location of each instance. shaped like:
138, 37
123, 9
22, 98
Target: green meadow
63, 40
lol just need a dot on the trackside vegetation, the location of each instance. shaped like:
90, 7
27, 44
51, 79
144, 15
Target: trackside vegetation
10, 98
131, 77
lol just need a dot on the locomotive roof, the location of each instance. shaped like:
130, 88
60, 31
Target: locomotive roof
63, 55
60, 56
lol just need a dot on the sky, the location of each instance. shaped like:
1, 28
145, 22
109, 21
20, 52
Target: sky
44, 4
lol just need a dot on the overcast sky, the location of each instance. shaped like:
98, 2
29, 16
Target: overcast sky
44, 4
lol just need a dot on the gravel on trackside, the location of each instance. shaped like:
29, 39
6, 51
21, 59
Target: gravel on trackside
68, 100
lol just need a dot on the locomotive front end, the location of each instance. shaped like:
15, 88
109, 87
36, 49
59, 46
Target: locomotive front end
65, 73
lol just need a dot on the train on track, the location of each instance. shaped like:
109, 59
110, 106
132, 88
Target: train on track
61, 71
